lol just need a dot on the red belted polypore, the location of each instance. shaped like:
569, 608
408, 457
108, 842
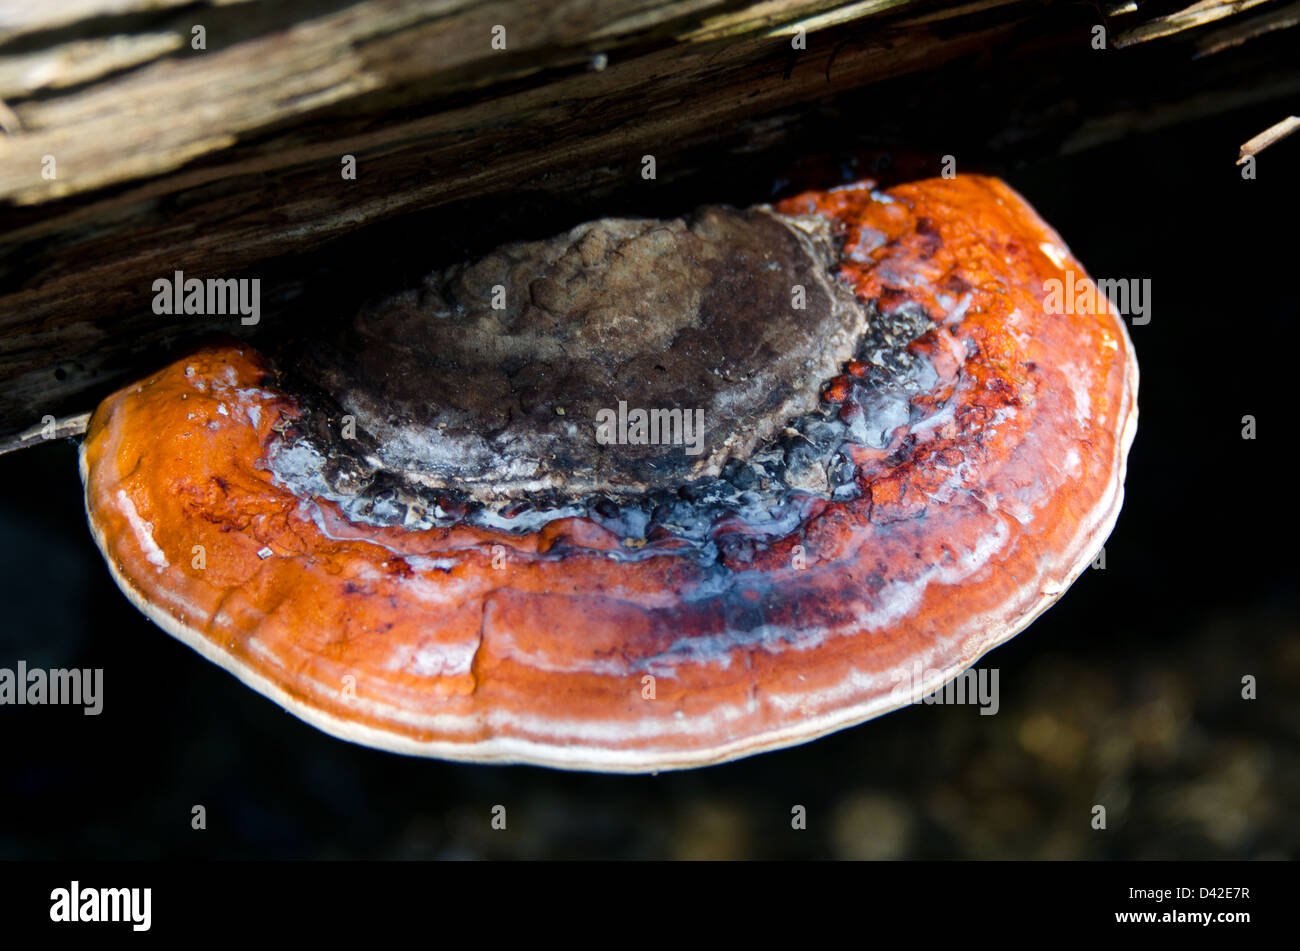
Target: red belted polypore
411, 550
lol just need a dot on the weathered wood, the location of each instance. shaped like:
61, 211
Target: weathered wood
225, 162
1196, 15
1238, 32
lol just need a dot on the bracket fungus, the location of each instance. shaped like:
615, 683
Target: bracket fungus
647, 495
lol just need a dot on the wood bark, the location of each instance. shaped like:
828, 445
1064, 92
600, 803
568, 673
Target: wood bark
132, 150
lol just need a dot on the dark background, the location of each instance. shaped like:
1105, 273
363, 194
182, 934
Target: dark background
1125, 694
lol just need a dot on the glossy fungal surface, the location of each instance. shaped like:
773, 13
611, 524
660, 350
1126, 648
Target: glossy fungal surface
944, 487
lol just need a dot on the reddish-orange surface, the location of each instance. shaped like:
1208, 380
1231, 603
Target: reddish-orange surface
970, 522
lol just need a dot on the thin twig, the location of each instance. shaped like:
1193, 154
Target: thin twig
1274, 133
62, 428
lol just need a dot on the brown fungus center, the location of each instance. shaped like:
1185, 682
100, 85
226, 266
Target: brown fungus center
624, 356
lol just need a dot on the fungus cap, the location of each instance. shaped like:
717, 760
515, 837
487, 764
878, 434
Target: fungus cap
957, 471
